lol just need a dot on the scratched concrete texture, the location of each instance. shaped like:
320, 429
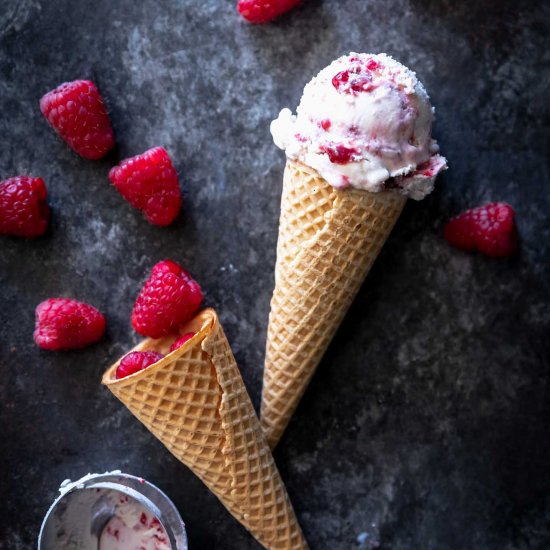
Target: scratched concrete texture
426, 425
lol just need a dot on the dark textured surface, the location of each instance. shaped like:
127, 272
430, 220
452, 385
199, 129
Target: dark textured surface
426, 425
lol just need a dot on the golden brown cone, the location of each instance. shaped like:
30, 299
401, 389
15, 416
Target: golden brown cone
194, 400
328, 241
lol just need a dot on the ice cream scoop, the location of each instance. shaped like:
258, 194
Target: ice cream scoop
365, 121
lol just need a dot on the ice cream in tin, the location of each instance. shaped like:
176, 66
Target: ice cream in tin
133, 527
112, 511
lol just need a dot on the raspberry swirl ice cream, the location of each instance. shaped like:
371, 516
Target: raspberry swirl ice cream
364, 121
133, 527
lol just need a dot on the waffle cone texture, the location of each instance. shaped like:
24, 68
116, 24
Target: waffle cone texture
194, 400
328, 241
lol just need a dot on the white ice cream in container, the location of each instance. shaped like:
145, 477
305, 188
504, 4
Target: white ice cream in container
365, 121
112, 511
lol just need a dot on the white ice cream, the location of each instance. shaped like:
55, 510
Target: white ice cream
133, 528
364, 121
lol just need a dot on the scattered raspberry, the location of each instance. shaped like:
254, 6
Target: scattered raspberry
262, 11
339, 154
150, 182
76, 111
325, 124
63, 324
23, 208
490, 229
180, 341
136, 361
168, 299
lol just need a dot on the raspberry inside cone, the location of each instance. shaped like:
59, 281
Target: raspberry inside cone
180, 341
136, 361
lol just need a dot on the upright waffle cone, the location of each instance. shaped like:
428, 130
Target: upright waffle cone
194, 400
328, 241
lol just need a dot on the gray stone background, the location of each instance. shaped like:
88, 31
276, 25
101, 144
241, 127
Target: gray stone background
427, 424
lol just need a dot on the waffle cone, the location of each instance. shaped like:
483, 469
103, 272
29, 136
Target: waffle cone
328, 241
194, 400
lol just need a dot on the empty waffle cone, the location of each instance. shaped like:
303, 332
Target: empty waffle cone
194, 400
328, 241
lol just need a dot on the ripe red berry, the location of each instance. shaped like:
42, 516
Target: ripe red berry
150, 183
168, 299
490, 229
23, 208
76, 111
339, 153
63, 324
180, 341
136, 361
262, 11
358, 77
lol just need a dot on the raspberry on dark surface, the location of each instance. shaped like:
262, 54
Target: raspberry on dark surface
63, 324
150, 183
262, 11
169, 298
135, 361
490, 229
77, 112
24, 211
180, 341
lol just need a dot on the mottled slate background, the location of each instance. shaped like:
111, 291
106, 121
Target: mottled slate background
427, 424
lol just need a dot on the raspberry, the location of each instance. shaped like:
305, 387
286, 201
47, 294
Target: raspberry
357, 78
262, 11
373, 65
76, 111
347, 82
180, 341
23, 208
490, 229
136, 361
150, 183
168, 299
63, 324
338, 153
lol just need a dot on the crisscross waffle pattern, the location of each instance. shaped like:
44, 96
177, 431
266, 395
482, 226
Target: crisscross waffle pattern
328, 241
195, 402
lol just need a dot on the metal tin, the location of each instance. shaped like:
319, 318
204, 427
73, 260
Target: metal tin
77, 517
